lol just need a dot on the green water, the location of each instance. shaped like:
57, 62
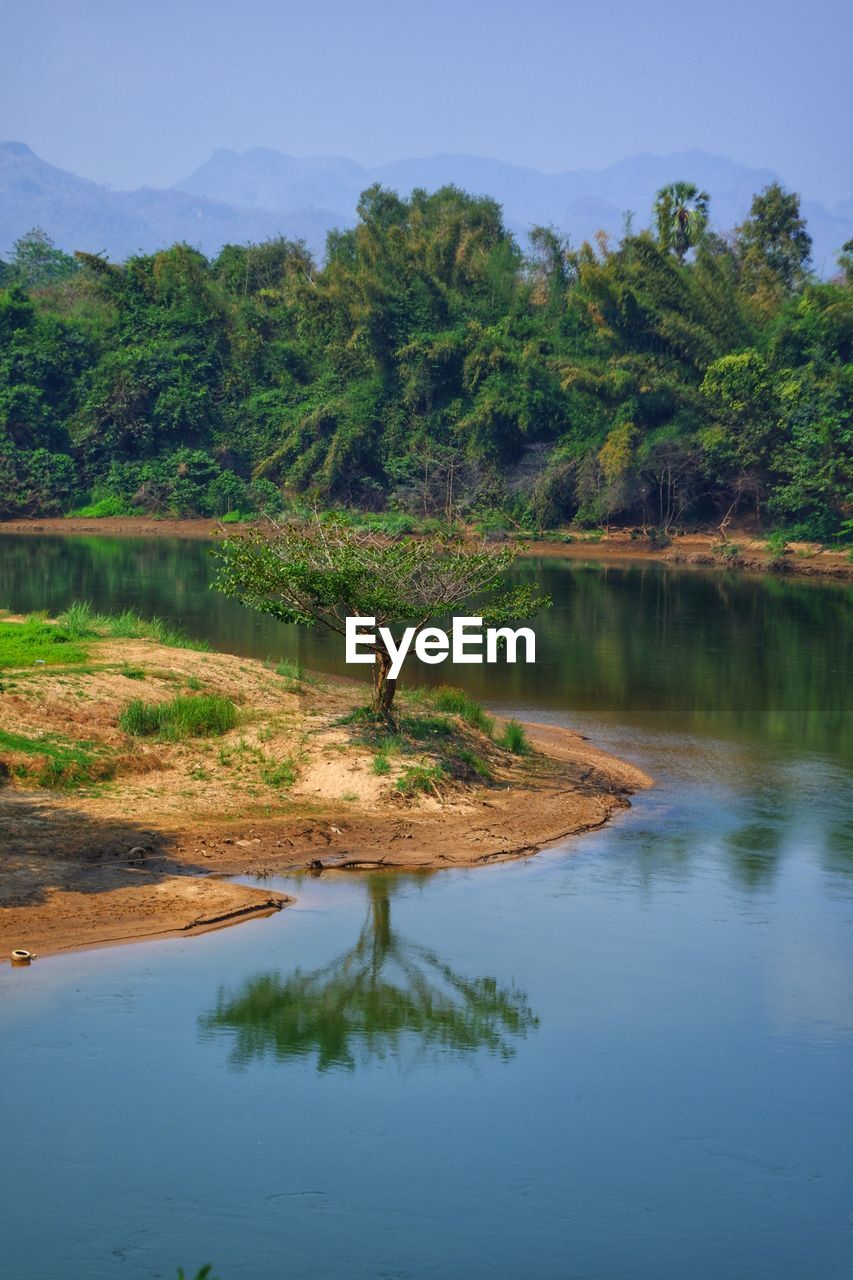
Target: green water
629, 1057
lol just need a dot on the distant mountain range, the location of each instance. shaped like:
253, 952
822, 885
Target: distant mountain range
237, 197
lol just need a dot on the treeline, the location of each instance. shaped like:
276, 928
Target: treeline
431, 366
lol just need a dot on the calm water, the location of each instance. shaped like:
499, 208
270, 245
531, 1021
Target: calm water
628, 1059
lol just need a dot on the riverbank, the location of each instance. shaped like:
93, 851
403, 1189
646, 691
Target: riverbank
743, 550
113, 829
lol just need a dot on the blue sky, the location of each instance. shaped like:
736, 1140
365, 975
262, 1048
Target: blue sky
140, 93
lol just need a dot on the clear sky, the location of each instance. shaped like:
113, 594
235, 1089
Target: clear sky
136, 92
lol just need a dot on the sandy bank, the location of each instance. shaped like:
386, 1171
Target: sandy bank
139, 852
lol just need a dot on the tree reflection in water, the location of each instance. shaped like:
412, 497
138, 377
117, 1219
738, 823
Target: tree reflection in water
386, 994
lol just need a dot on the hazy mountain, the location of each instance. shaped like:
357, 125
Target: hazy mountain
78, 214
579, 202
260, 193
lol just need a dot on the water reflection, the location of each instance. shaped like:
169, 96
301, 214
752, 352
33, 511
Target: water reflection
386, 993
718, 655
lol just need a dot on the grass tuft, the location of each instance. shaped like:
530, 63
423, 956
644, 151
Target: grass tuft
279, 773
460, 703
420, 777
200, 716
514, 739
80, 621
57, 763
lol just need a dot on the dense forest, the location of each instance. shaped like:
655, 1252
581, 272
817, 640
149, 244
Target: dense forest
431, 367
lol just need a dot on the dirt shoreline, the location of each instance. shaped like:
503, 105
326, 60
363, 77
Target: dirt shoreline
148, 850
694, 550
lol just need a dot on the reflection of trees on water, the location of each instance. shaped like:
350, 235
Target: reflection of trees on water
385, 993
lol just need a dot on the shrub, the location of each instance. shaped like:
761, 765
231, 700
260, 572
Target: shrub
185, 716
265, 495
226, 495
113, 505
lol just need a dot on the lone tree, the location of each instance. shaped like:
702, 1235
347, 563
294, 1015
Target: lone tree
320, 572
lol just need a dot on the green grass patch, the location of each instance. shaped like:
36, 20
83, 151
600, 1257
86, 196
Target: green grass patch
204, 715
131, 673
514, 739
460, 703
381, 764
24, 644
421, 777
469, 765
290, 670
80, 621
426, 728
58, 763
279, 773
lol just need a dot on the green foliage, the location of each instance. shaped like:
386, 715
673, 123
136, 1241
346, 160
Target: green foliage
429, 371
514, 739
681, 213
36, 261
323, 571
199, 716
773, 242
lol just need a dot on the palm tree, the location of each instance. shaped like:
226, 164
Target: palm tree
681, 213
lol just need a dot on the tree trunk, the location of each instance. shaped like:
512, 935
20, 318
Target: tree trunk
384, 687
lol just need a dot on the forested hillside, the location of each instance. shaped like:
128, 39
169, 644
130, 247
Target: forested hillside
432, 368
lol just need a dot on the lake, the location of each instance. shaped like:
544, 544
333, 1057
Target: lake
628, 1058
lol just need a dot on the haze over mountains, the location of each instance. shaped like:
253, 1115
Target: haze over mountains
250, 196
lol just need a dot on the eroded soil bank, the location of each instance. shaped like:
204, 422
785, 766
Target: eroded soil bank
107, 836
745, 550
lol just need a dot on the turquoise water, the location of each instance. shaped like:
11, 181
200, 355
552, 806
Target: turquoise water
629, 1057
